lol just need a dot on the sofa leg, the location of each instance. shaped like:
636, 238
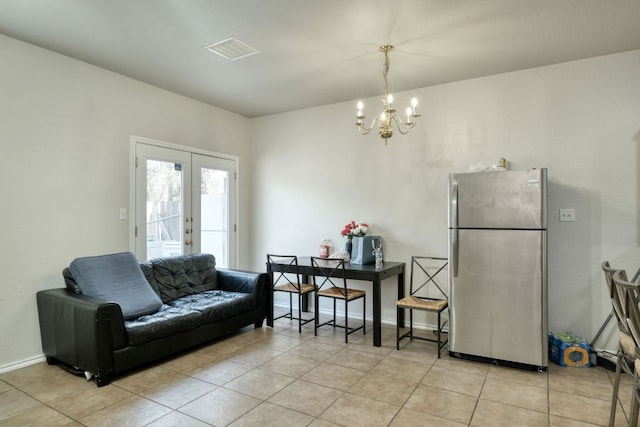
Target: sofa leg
258, 324
52, 360
103, 380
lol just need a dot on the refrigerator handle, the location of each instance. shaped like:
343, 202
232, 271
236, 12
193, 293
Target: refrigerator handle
454, 252
454, 228
454, 204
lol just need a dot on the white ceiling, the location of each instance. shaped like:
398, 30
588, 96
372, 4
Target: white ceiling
318, 52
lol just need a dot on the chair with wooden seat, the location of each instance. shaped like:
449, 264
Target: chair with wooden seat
330, 279
629, 297
625, 356
425, 273
290, 283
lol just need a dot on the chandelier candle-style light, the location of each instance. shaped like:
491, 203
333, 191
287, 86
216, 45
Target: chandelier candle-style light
388, 118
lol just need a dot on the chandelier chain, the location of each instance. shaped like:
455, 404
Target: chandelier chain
385, 72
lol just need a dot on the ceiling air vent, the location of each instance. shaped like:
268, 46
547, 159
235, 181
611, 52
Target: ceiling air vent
231, 49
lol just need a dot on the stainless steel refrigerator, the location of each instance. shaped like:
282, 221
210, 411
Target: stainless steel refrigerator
498, 267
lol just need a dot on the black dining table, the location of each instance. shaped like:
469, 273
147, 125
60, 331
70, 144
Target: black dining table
367, 273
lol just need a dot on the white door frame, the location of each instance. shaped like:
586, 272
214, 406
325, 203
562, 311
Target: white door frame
234, 256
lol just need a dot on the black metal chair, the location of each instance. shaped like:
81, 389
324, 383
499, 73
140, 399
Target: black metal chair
330, 279
426, 269
284, 282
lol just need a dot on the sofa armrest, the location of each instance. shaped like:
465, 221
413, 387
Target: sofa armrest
79, 330
247, 282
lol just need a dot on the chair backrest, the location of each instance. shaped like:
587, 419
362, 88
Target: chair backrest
427, 273
630, 297
280, 277
329, 272
616, 302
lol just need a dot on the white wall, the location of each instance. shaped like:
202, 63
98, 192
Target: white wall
581, 120
65, 128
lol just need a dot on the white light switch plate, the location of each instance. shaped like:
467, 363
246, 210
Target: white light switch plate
567, 215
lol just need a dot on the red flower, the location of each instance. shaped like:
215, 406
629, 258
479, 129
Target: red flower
353, 228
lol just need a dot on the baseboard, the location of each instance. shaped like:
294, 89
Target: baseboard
22, 363
606, 363
605, 359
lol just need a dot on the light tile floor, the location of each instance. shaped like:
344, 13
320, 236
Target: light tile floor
277, 377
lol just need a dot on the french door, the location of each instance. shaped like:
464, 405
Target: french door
184, 202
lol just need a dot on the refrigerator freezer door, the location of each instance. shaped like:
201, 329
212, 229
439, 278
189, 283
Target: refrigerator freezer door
506, 199
498, 298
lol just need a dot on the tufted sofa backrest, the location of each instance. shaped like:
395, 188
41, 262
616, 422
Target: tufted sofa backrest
179, 276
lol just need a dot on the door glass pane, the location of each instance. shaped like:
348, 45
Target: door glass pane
164, 209
214, 214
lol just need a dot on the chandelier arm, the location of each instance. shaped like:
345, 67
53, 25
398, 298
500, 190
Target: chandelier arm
363, 129
399, 125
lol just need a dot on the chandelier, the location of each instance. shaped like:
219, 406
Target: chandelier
388, 119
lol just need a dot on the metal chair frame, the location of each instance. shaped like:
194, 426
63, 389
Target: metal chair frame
428, 304
283, 283
629, 293
623, 360
330, 280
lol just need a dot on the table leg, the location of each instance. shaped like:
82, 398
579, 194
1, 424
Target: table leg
377, 313
400, 296
305, 297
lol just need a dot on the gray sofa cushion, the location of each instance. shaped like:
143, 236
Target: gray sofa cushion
147, 270
180, 276
117, 278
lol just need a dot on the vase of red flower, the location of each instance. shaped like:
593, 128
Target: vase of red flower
353, 229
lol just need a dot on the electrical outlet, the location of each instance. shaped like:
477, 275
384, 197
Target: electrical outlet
123, 213
567, 215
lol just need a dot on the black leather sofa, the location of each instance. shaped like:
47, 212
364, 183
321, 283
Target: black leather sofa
199, 303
